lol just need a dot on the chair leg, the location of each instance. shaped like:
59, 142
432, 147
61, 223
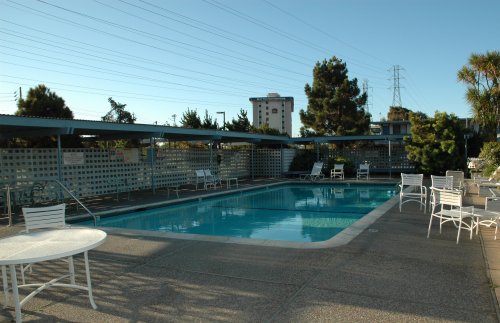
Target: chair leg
459, 229
429, 230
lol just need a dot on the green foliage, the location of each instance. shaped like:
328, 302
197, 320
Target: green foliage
303, 161
190, 119
491, 155
482, 78
118, 114
208, 122
266, 130
436, 144
241, 124
398, 114
42, 102
335, 105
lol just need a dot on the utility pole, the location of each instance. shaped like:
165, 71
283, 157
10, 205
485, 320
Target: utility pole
396, 96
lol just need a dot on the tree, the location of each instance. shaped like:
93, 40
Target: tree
190, 119
482, 78
266, 130
241, 124
398, 114
208, 122
335, 104
436, 144
42, 102
118, 113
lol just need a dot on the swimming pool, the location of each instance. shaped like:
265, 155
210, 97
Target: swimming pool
298, 213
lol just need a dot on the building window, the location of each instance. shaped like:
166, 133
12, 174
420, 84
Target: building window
275, 110
260, 105
267, 113
267, 108
267, 120
396, 129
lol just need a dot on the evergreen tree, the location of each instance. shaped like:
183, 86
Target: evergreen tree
208, 122
190, 119
118, 113
436, 144
398, 114
241, 124
335, 105
42, 102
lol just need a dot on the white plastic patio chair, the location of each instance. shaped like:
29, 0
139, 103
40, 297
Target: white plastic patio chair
337, 171
48, 217
316, 173
448, 207
441, 182
412, 190
363, 171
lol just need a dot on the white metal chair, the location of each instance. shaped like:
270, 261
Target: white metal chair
48, 217
412, 189
337, 171
489, 215
448, 207
211, 179
315, 172
200, 178
458, 180
441, 182
363, 171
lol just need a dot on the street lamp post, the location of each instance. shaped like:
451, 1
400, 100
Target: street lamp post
223, 119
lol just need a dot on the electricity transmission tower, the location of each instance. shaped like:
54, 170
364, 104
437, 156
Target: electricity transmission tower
396, 95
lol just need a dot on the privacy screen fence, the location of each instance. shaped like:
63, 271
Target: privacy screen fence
98, 171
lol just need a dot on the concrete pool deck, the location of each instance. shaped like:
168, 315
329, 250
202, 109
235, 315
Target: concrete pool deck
389, 272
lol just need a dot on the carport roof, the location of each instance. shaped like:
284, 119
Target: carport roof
12, 126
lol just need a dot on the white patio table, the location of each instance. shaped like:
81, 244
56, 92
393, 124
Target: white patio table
46, 245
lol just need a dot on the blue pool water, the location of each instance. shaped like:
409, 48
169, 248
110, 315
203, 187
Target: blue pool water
300, 213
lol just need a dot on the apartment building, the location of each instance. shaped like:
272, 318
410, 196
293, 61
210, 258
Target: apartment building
273, 110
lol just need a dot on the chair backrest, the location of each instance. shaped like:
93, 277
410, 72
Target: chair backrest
412, 179
317, 167
458, 178
208, 173
200, 173
45, 217
443, 182
338, 167
445, 197
364, 167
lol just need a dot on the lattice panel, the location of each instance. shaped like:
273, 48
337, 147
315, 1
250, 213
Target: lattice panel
267, 163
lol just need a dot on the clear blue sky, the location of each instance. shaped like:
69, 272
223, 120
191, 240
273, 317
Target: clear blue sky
161, 57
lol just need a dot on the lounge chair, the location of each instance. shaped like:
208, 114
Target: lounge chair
412, 189
200, 178
315, 174
363, 171
337, 171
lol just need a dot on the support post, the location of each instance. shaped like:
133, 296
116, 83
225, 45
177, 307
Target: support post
152, 160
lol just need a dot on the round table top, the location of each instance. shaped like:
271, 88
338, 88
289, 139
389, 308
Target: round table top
48, 244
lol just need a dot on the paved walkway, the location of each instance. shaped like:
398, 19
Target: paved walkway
390, 272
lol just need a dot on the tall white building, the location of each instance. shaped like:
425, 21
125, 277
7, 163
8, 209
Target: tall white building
274, 110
